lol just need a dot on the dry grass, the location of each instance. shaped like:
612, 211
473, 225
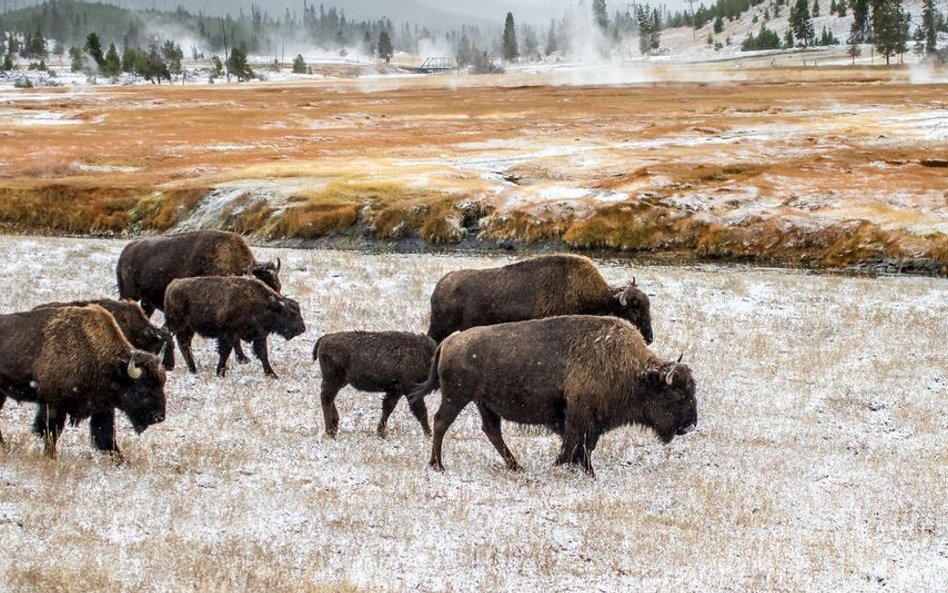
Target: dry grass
772, 165
821, 420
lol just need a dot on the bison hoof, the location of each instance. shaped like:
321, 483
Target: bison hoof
221, 372
514, 466
243, 359
382, 432
436, 465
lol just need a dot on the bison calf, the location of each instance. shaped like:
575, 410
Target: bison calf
534, 288
75, 361
229, 309
581, 376
389, 362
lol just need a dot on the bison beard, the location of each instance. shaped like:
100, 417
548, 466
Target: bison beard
229, 309
535, 288
75, 362
389, 362
580, 376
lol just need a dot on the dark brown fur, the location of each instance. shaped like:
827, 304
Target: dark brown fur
535, 288
75, 361
139, 331
390, 362
581, 376
229, 309
147, 266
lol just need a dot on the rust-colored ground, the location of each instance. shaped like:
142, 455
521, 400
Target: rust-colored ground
828, 166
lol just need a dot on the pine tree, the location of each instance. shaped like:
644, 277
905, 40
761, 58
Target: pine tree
600, 17
94, 48
113, 64
299, 64
833, 7
551, 45
238, 66
816, 8
511, 51
929, 26
75, 59
889, 22
841, 8
386, 51
7, 62
718, 24
861, 30
800, 22
217, 68
788, 40
172, 54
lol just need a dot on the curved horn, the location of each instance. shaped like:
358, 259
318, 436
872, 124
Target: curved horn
679, 358
279, 264
633, 280
134, 371
161, 353
622, 300
670, 377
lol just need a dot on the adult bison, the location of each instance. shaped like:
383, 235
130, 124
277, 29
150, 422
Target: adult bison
147, 266
538, 287
76, 362
140, 332
579, 375
391, 362
230, 309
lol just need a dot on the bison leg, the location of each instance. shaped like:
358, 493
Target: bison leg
490, 424
420, 411
3, 399
48, 425
261, 352
184, 338
224, 345
577, 447
102, 431
327, 397
388, 405
239, 353
444, 417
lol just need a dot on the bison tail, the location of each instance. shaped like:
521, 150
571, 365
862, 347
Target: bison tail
431, 383
316, 348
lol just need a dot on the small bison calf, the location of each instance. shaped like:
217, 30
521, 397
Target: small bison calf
229, 308
389, 362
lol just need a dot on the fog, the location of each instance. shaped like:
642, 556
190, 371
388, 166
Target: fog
426, 12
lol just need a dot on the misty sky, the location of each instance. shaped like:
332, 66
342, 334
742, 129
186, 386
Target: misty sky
431, 12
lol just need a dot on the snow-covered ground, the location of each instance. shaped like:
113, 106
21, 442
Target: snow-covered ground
820, 462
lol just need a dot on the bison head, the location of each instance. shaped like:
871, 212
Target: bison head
268, 273
286, 316
138, 385
669, 407
157, 340
632, 304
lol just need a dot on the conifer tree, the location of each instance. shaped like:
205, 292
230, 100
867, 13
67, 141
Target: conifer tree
511, 51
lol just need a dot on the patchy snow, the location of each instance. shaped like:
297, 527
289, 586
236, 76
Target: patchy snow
822, 417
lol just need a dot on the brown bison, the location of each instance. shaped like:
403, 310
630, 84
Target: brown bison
230, 309
147, 266
75, 361
538, 287
389, 362
140, 332
579, 375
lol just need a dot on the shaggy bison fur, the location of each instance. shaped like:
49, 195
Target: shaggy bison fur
230, 309
581, 376
76, 362
389, 362
139, 331
535, 288
147, 266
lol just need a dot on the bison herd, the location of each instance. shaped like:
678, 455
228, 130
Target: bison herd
544, 341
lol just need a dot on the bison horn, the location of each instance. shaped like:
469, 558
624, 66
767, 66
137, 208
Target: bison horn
670, 376
622, 300
279, 264
679, 357
134, 371
161, 353
633, 280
